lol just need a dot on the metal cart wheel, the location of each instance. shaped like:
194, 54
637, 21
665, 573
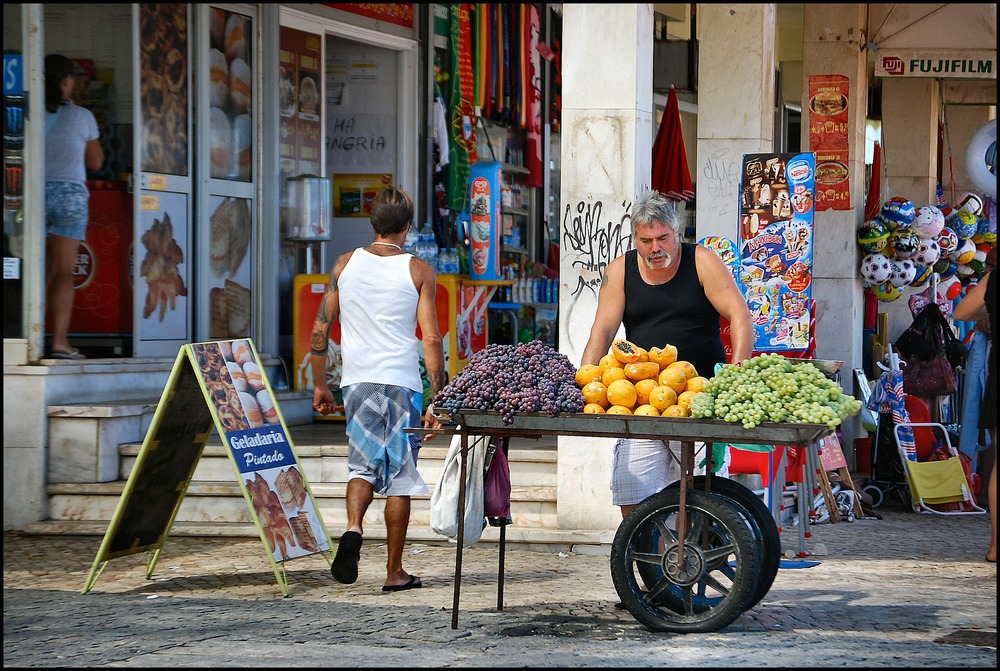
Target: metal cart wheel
717, 580
760, 520
878, 496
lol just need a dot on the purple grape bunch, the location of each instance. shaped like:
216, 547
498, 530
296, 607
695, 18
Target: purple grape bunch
527, 377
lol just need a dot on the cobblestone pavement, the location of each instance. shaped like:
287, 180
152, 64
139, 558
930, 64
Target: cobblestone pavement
905, 591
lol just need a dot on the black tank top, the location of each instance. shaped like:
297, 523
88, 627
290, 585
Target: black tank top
676, 312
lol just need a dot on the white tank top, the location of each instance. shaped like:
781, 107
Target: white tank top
378, 321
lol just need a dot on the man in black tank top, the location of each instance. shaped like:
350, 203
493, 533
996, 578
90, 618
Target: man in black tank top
664, 292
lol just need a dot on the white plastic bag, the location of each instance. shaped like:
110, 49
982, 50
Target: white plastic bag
444, 499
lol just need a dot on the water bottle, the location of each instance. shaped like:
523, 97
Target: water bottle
412, 238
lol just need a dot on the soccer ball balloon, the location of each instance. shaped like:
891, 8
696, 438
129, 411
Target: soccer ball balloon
945, 267
904, 242
922, 276
873, 236
928, 222
964, 224
964, 252
903, 272
927, 254
876, 268
886, 292
947, 240
897, 213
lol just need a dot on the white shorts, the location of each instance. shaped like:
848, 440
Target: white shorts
641, 468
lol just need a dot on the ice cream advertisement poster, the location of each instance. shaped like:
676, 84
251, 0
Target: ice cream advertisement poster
775, 247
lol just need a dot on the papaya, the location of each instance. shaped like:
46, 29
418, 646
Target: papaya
641, 371
686, 367
595, 392
622, 392
676, 411
625, 351
696, 383
662, 397
609, 361
587, 373
663, 357
647, 410
673, 378
594, 409
611, 374
619, 410
642, 390
684, 399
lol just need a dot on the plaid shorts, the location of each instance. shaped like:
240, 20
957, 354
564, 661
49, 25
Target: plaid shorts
641, 468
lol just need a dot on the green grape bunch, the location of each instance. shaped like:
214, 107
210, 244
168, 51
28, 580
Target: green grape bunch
771, 388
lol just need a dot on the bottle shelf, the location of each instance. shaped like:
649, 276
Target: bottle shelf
515, 211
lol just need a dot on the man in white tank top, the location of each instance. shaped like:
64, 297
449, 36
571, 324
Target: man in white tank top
381, 295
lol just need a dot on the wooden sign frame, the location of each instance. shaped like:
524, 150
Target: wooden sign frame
220, 384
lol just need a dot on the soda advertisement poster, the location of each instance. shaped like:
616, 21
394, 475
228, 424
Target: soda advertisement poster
775, 247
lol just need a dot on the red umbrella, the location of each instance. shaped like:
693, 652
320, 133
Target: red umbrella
671, 176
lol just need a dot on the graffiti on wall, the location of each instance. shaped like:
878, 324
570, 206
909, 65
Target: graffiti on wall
720, 179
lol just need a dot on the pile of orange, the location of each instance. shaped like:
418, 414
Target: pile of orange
630, 380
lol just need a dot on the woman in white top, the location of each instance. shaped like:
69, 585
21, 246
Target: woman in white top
72, 147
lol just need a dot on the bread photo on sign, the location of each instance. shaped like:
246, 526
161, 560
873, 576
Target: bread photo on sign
229, 236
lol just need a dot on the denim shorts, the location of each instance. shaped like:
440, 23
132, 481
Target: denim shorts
67, 209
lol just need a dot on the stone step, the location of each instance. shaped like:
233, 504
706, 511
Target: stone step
579, 541
222, 501
328, 463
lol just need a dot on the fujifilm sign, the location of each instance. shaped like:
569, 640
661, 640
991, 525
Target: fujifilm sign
946, 65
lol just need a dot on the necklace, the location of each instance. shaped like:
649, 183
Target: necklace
388, 244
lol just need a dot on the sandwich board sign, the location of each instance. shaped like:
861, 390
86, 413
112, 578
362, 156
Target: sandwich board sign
222, 385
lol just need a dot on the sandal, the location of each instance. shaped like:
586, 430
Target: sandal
75, 354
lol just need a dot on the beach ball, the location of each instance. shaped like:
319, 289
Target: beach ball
964, 224
945, 267
922, 276
928, 221
964, 252
927, 254
947, 240
903, 272
876, 268
978, 262
873, 236
904, 242
897, 213
886, 292
964, 272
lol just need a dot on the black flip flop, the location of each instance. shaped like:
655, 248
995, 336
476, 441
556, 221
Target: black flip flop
414, 583
345, 563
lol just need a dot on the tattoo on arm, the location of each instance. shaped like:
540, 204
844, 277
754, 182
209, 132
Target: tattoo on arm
319, 337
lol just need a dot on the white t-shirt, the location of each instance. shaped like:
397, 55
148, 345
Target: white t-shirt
69, 130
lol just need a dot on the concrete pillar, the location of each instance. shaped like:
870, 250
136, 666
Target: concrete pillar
911, 108
831, 46
736, 74
606, 148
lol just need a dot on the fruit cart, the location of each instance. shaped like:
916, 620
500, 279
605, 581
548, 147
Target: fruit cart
691, 558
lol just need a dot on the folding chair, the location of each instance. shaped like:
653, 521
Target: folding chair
933, 483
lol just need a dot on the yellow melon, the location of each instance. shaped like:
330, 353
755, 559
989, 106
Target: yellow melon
686, 367
642, 389
622, 392
662, 397
619, 410
587, 373
696, 383
595, 392
673, 378
646, 410
594, 409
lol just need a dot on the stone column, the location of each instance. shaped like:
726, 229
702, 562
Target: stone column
911, 108
831, 46
736, 75
607, 140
